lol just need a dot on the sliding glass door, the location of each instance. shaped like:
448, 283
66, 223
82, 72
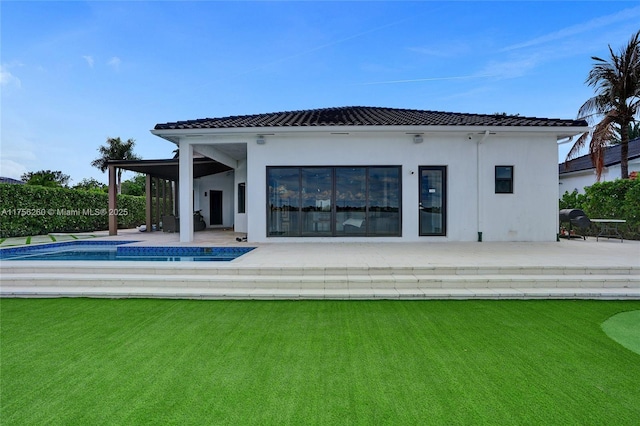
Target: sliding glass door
284, 202
334, 201
317, 199
351, 201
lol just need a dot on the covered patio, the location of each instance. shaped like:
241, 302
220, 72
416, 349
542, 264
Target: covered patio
161, 188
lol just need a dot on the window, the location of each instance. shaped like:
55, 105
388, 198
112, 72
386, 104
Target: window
504, 179
242, 196
333, 201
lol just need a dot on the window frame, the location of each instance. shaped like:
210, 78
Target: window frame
242, 197
499, 181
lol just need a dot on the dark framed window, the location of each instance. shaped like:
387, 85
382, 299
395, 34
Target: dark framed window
334, 201
242, 197
504, 179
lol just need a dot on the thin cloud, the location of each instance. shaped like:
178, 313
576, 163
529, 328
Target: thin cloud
324, 46
495, 70
420, 80
12, 168
115, 63
89, 60
447, 50
7, 79
594, 24
511, 68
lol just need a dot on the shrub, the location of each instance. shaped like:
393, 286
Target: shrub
617, 199
572, 200
36, 210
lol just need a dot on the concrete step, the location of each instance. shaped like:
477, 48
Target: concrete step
201, 268
322, 281
319, 293
194, 280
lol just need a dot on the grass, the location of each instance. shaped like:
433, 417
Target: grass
624, 328
89, 361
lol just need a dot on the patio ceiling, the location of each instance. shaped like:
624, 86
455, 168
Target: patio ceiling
168, 168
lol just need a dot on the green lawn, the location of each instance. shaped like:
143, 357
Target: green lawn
91, 362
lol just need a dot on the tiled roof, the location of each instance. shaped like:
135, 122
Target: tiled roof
611, 157
367, 116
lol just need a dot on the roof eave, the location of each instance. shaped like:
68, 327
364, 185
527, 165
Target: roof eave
174, 135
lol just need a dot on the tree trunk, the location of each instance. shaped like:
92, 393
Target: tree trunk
624, 154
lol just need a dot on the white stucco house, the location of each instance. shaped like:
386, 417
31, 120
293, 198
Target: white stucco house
373, 174
580, 172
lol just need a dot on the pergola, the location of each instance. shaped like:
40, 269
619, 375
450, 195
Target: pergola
164, 173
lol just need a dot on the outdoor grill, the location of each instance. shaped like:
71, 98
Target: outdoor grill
574, 217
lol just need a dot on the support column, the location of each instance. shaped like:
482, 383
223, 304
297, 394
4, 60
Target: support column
147, 191
185, 187
176, 199
164, 197
158, 217
172, 207
113, 201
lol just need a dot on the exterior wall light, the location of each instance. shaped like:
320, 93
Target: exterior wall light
261, 140
418, 139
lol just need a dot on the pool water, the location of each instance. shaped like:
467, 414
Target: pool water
120, 251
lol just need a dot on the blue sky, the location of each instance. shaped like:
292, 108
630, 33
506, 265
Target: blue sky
74, 73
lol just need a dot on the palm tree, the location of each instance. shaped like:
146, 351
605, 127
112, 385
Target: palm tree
633, 130
115, 149
616, 104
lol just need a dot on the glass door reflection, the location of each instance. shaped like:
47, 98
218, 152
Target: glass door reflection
433, 200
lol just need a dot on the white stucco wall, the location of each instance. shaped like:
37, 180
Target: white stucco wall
240, 221
529, 214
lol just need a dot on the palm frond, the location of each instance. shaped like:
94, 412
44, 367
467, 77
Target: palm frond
616, 103
601, 137
576, 148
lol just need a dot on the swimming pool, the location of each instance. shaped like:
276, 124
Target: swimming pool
119, 250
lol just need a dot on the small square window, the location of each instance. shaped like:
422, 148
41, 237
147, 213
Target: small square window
504, 179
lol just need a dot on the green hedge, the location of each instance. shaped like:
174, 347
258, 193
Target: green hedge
617, 199
36, 210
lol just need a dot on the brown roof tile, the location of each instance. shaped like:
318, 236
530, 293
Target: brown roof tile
366, 116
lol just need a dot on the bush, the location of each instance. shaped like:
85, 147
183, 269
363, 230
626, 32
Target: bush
572, 200
36, 210
617, 199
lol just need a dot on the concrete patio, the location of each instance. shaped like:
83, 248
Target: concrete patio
605, 269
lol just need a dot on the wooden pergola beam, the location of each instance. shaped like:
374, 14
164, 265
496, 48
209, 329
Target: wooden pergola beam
148, 221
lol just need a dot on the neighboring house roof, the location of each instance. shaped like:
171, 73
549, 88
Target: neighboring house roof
11, 181
611, 157
367, 116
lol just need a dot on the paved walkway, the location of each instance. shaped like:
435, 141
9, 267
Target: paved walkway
51, 238
565, 253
